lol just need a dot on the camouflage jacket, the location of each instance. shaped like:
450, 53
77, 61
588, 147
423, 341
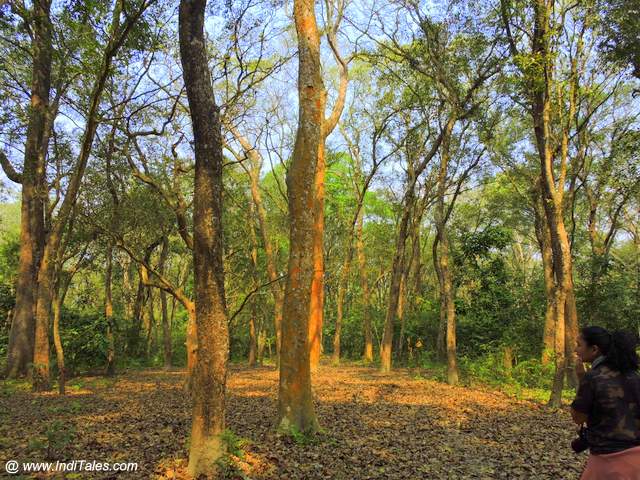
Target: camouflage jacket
610, 401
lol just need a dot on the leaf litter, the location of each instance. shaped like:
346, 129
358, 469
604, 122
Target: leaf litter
374, 426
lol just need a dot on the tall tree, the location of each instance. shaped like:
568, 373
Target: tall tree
295, 403
208, 385
335, 11
118, 32
550, 83
22, 334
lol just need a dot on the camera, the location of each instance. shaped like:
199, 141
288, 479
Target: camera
580, 444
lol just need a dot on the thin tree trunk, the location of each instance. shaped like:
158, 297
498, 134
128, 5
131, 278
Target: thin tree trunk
108, 313
442, 250
397, 270
126, 289
452, 366
544, 241
402, 297
296, 412
253, 334
364, 285
254, 176
166, 326
150, 324
210, 372
136, 321
342, 290
57, 306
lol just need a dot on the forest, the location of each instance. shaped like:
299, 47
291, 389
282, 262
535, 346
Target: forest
346, 239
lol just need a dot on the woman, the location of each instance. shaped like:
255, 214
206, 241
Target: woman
608, 401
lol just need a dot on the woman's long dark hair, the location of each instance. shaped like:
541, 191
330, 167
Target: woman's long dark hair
619, 347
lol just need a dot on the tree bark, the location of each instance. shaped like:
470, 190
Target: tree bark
316, 311
46, 271
544, 241
552, 194
364, 285
254, 175
22, 333
296, 412
398, 259
208, 385
166, 326
445, 278
110, 368
57, 341
253, 334
397, 270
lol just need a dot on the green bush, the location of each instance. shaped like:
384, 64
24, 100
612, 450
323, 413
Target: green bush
532, 374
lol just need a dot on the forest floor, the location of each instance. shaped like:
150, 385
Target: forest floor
397, 426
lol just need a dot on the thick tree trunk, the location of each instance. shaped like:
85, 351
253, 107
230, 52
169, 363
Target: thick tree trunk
316, 310
22, 334
210, 372
296, 412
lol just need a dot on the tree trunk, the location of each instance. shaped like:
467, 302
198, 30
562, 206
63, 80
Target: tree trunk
136, 321
316, 311
364, 285
296, 412
22, 334
47, 271
397, 270
46, 282
253, 335
552, 193
544, 241
254, 176
402, 297
571, 335
149, 325
342, 290
507, 360
57, 307
166, 326
126, 288
452, 366
108, 313
441, 249
210, 372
